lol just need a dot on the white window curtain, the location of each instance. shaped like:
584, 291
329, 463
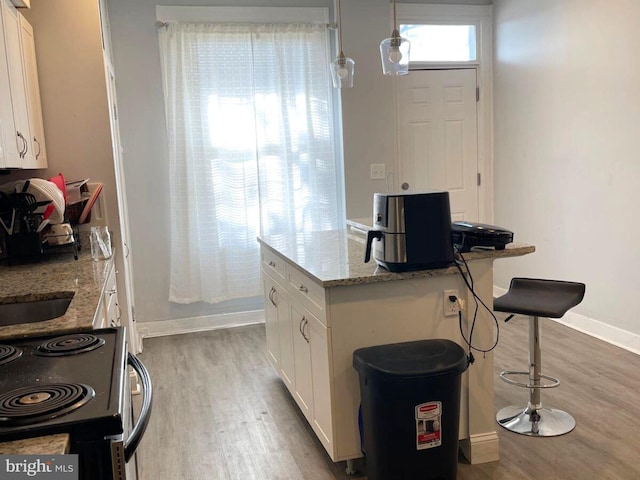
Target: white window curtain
251, 149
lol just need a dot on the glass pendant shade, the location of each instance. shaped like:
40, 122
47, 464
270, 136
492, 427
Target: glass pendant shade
342, 71
394, 53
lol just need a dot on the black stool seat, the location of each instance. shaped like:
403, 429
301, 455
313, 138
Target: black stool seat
540, 298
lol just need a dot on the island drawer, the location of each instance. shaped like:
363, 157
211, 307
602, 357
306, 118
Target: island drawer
274, 265
307, 291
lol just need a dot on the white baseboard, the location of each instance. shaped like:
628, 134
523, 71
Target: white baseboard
481, 448
596, 328
199, 324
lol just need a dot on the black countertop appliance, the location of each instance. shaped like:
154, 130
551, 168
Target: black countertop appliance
469, 236
411, 231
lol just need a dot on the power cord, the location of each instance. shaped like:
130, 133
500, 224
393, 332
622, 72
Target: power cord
468, 280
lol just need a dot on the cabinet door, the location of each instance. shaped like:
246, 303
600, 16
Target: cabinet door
13, 105
38, 152
112, 309
100, 320
9, 155
287, 372
320, 370
302, 360
272, 298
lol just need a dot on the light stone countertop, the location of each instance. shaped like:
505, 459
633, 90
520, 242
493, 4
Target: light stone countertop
336, 257
47, 445
56, 276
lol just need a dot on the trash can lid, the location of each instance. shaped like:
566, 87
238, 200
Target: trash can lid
422, 358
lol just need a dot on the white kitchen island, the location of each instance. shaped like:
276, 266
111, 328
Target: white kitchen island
322, 302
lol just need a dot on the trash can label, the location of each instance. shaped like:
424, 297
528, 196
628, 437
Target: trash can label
428, 421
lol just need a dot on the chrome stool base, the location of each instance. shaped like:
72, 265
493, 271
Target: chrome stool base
542, 422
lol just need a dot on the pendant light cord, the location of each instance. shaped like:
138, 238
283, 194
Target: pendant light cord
395, 20
340, 25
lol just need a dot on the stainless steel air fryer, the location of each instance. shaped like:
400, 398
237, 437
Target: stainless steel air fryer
411, 231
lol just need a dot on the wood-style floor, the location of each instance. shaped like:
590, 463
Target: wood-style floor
221, 413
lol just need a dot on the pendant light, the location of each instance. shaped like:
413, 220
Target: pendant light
342, 68
394, 51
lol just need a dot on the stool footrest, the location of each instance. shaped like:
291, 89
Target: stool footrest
505, 376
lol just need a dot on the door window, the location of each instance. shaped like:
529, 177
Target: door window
441, 43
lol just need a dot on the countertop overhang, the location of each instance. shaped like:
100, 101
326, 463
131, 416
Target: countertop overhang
336, 257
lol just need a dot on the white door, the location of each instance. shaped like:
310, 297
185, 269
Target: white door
438, 136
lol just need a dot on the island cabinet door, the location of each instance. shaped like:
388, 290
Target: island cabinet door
320, 368
302, 360
272, 296
284, 333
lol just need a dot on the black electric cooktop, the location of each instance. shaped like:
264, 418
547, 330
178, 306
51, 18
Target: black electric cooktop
63, 384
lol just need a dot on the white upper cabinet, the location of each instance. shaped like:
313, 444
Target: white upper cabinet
13, 56
25, 134
10, 156
22, 3
38, 159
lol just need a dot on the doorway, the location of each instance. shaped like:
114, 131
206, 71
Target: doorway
437, 113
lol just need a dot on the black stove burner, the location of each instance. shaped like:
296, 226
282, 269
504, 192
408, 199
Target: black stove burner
69, 345
39, 403
8, 354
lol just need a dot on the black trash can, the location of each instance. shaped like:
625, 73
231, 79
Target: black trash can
410, 401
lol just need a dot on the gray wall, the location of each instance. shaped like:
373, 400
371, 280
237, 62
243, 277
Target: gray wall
567, 170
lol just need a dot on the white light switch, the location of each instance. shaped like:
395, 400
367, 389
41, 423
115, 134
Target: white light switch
378, 171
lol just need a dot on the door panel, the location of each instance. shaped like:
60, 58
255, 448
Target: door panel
438, 136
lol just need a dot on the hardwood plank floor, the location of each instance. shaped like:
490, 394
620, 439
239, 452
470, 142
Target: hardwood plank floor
221, 413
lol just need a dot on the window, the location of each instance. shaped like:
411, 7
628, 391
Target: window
441, 43
252, 150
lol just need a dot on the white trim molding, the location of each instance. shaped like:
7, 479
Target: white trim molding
608, 333
199, 324
481, 448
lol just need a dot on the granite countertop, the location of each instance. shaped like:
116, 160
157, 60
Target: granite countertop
55, 277
336, 257
47, 445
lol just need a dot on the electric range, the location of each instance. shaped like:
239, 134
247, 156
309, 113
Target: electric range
76, 384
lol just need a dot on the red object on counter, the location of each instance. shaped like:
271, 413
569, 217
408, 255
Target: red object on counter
59, 182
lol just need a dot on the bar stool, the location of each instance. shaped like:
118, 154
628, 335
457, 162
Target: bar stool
536, 298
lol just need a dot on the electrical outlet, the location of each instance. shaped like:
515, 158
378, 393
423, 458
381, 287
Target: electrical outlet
378, 171
450, 308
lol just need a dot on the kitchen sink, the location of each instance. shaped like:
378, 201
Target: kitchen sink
31, 311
